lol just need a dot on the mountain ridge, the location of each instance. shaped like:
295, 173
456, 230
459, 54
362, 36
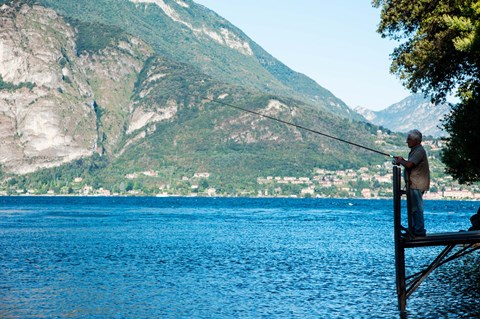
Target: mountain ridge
414, 111
270, 75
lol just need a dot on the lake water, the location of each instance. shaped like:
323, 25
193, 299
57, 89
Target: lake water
71, 257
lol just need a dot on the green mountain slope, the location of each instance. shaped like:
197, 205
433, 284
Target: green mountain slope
234, 147
190, 33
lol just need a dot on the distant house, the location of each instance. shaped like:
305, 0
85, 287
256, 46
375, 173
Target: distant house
366, 193
211, 192
87, 189
150, 173
458, 194
202, 175
103, 192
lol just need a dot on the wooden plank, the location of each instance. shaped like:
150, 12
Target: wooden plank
444, 239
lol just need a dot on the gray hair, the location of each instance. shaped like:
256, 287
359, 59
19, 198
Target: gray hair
416, 135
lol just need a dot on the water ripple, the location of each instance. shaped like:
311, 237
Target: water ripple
222, 258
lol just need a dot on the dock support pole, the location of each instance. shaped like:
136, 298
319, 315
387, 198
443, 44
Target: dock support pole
399, 247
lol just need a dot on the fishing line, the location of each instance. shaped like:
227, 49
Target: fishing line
298, 126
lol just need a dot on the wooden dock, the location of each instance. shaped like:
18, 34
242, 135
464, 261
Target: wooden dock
456, 245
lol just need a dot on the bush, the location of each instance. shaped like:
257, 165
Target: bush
94, 37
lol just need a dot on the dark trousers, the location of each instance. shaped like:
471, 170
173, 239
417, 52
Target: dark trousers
415, 212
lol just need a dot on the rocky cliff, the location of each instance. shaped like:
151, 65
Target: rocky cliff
56, 118
52, 120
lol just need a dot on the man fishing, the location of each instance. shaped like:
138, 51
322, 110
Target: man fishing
417, 176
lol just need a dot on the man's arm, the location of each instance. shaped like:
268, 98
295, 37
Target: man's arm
401, 161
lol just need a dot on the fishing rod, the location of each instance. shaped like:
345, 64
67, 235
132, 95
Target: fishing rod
298, 126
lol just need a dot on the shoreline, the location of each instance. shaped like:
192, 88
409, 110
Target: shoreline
228, 197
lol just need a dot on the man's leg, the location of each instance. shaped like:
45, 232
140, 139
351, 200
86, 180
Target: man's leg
418, 223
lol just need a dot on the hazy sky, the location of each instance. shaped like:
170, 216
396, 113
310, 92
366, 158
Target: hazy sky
334, 42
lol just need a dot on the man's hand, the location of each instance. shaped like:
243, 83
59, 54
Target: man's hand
399, 160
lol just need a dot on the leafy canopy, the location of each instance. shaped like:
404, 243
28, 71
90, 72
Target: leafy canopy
439, 54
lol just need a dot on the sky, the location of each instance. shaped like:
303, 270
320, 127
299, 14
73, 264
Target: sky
334, 42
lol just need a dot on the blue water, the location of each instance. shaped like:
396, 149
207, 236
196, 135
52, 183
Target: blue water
97, 257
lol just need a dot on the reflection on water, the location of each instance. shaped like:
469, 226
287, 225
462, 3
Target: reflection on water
219, 258
452, 291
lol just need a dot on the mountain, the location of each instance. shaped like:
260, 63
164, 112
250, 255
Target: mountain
412, 112
185, 32
99, 90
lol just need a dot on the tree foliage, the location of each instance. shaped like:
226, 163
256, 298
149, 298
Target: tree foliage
12, 87
94, 36
463, 153
439, 54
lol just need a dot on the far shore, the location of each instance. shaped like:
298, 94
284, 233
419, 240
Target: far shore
426, 198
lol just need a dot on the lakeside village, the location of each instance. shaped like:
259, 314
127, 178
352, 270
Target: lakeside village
365, 182
371, 183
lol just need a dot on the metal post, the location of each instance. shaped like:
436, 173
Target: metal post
399, 248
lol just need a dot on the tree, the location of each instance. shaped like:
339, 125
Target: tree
462, 155
203, 184
439, 55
